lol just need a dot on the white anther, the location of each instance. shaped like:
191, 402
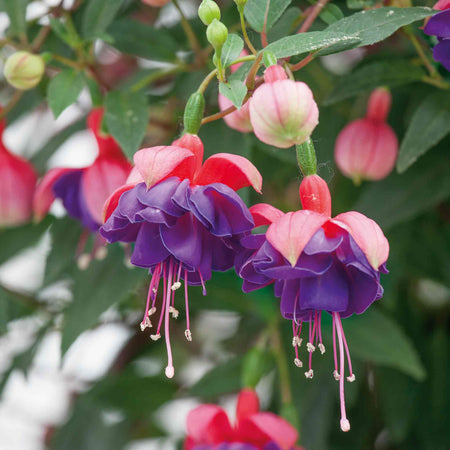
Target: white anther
83, 261
298, 363
145, 324
310, 347
351, 378
152, 311
336, 375
321, 348
101, 253
174, 312
299, 342
295, 341
155, 337
176, 286
188, 335
309, 374
155, 291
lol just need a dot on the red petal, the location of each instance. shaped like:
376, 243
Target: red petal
208, 425
158, 163
113, 200
193, 143
233, 170
264, 214
367, 234
247, 404
44, 196
290, 234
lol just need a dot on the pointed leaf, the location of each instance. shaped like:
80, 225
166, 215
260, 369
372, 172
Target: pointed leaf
231, 49
235, 91
262, 14
63, 90
97, 16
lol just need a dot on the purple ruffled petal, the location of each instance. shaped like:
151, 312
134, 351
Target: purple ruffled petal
441, 53
149, 249
439, 24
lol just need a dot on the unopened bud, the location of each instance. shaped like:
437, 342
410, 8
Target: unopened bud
23, 70
217, 34
208, 11
240, 3
193, 113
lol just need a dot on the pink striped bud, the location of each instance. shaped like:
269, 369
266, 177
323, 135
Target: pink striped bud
315, 195
366, 149
283, 112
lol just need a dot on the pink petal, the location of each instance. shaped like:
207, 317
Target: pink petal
158, 163
194, 144
100, 180
367, 234
264, 214
264, 427
44, 196
208, 425
247, 404
113, 200
233, 170
290, 234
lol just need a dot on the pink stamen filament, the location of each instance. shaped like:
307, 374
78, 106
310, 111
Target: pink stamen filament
186, 299
157, 276
203, 283
320, 327
170, 371
311, 336
345, 424
334, 346
346, 347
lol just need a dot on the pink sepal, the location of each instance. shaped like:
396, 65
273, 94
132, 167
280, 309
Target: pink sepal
134, 177
247, 404
233, 170
113, 200
441, 5
193, 143
367, 234
290, 234
158, 163
315, 195
379, 104
43, 195
264, 214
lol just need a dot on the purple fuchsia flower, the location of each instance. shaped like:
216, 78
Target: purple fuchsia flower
209, 428
439, 26
318, 264
185, 219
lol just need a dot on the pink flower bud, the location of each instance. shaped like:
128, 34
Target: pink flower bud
367, 148
17, 183
156, 3
283, 112
315, 195
441, 5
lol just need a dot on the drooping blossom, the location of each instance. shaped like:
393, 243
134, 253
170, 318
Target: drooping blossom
317, 264
17, 184
185, 218
209, 428
240, 119
84, 191
367, 148
283, 112
439, 26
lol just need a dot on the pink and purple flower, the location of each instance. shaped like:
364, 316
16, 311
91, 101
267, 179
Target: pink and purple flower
317, 264
439, 26
185, 219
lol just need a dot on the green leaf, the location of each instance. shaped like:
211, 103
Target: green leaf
402, 197
370, 76
126, 115
375, 337
298, 44
16, 11
377, 24
429, 124
262, 14
286, 24
360, 4
331, 13
235, 91
231, 49
98, 16
64, 89
102, 285
131, 36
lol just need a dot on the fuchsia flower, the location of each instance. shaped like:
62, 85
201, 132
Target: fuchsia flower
283, 112
317, 264
185, 218
17, 183
366, 149
84, 191
209, 428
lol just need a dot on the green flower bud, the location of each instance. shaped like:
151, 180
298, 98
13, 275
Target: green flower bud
23, 70
240, 4
208, 11
193, 113
217, 34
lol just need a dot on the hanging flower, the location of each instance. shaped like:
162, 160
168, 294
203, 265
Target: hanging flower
318, 264
367, 148
17, 184
439, 26
209, 428
84, 191
185, 218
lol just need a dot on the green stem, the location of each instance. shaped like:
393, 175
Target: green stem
441, 84
426, 62
204, 84
244, 30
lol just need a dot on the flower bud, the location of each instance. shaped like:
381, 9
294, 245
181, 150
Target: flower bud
156, 3
366, 149
315, 195
217, 34
283, 112
23, 70
240, 3
193, 113
208, 11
